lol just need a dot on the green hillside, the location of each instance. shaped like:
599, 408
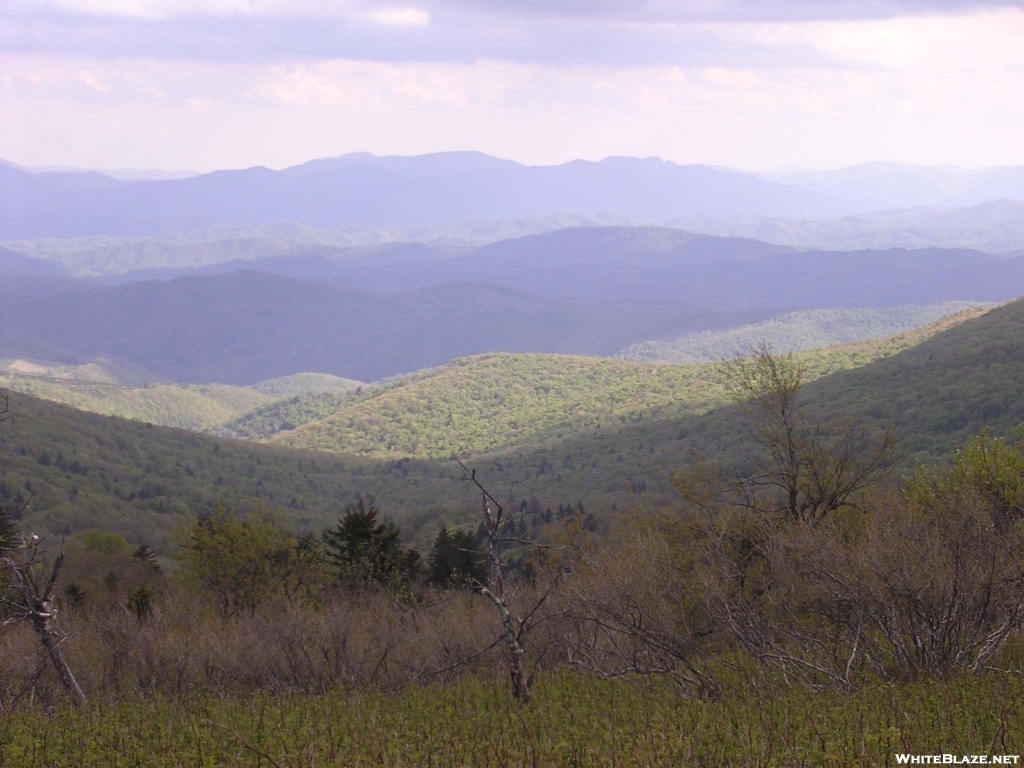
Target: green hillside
616, 444
117, 388
267, 420
944, 390
495, 403
199, 407
938, 388
305, 383
79, 470
807, 329
101, 369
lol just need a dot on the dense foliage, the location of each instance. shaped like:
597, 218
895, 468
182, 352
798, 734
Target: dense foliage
305, 383
496, 404
198, 407
83, 471
806, 329
364, 549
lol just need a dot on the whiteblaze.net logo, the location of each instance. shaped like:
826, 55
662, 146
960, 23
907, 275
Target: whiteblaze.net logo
947, 759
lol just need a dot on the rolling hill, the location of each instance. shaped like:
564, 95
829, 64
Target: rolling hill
83, 470
792, 332
116, 388
198, 407
78, 470
245, 327
306, 383
274, 246
494, 404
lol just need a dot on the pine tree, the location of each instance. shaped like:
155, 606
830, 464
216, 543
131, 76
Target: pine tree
9, 535
363, 549
455, 560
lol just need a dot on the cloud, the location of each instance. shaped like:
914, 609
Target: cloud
218, 83
659, 11
638, 11
584, 32
399, 17
375, 13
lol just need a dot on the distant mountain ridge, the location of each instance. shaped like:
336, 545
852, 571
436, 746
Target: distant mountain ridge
588, 291
994, 227
366, 190
387, 191
876, 186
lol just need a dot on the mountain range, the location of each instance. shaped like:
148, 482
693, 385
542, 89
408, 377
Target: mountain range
366, 190
590, 291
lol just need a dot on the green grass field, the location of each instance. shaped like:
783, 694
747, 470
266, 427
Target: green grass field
574, 720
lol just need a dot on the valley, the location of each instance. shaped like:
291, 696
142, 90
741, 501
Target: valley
452, 383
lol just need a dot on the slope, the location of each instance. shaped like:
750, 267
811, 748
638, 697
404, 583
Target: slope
944, 390
83, 470
497, 404
938, 390
198, 407
78, 470
791, 332
306, 383
245, 327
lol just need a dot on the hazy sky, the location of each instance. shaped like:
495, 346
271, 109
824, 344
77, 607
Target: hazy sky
758, 84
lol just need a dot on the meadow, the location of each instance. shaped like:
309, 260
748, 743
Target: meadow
574, 720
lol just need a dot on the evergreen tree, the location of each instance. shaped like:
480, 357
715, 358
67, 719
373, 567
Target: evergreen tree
455, 560
365, 550
9, 535
145, 554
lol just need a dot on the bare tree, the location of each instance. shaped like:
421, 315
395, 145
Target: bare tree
805, 469
515, 624
30, 599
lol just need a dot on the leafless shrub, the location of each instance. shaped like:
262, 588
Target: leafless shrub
632, 610
898, 591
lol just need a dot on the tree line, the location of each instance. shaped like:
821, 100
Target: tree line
798, 561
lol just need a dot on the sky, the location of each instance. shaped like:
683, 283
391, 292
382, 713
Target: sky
752, 84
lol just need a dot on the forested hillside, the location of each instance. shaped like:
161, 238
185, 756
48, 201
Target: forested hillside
199, 407
496, 403
79, 471
791, 332
944, 390
605, 433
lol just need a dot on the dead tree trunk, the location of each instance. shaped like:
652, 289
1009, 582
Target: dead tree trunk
35, 605
496, 594
512, 627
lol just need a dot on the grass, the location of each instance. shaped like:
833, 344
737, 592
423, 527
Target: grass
574, 720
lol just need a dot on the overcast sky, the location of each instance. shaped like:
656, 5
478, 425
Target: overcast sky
755, 84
